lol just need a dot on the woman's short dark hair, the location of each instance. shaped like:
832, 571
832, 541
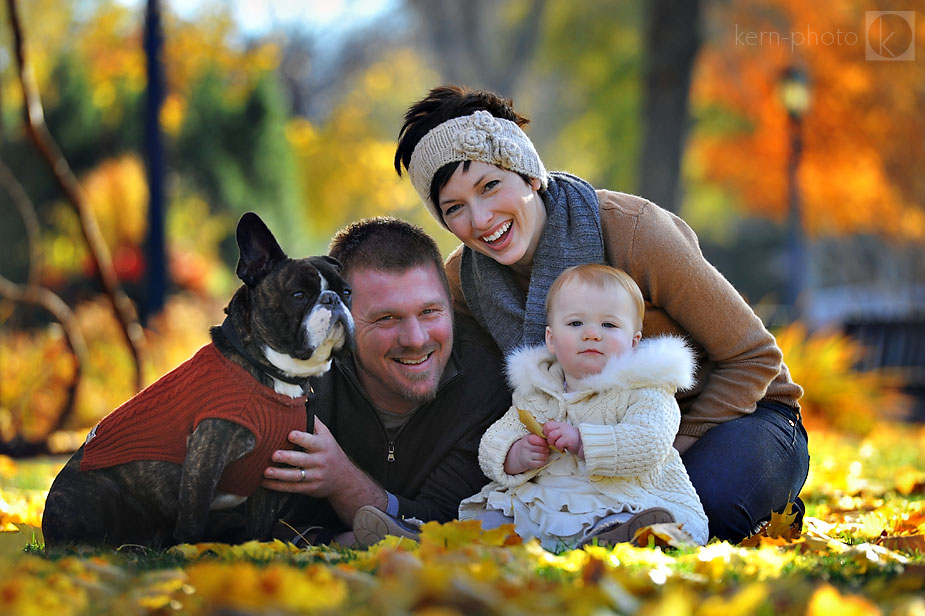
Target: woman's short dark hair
441, 104
386, 244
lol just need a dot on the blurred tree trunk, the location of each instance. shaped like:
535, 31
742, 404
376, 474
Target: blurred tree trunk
155, 248
672, 40
468, 41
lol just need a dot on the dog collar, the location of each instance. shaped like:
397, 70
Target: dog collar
231, 335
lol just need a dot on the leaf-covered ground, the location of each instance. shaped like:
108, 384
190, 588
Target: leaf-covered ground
861, 552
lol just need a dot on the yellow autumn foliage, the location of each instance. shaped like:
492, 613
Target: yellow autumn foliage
37, 370
835, 392
833, 567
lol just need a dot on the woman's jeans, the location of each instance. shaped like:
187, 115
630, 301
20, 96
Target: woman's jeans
748, 467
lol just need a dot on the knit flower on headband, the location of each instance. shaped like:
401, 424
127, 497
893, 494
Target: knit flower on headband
474, 143
509, 152
478, 137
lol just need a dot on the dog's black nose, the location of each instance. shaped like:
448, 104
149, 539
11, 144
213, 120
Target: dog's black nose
328, 297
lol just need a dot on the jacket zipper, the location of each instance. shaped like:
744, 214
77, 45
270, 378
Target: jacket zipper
391, 457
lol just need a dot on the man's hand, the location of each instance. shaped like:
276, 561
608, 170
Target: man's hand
323, 470
323, 461
562, 435
526, 453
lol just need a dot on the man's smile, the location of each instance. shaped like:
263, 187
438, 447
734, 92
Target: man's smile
413, 361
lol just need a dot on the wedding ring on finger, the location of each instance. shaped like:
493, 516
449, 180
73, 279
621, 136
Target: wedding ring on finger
301, 474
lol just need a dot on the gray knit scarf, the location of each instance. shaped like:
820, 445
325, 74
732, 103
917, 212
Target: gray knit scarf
572, 236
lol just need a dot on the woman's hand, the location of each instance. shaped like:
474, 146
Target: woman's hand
564, 436
525, 454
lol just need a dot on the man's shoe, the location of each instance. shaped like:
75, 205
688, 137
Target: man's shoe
371, 525
622, 532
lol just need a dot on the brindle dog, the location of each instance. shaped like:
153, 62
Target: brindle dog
282, 326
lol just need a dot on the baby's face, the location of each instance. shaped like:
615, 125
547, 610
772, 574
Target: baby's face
588, 325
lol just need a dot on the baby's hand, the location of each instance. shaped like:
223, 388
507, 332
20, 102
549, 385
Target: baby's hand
564, 436
526, 453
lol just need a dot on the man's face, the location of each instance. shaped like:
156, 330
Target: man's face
404, 334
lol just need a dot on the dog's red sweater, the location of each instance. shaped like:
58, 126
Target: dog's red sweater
155, 424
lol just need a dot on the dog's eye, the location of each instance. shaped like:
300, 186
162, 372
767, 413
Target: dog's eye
346, 292
298, 295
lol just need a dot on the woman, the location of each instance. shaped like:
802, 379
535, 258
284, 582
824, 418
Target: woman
741, 438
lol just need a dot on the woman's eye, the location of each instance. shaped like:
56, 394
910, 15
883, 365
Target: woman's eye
490, 184
452, 209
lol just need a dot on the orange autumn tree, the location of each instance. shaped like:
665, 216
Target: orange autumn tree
863, 133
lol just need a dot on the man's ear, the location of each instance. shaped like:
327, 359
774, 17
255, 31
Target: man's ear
636, 338
258, 249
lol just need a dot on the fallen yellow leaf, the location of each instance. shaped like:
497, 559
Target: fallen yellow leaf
909, 480
827, 600
902, 543
663, 535
780, 524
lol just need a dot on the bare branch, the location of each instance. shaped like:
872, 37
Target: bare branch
30, 220
32, 293
41, 296
48, 148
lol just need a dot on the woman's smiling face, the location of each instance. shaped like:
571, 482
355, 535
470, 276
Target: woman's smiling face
494, 212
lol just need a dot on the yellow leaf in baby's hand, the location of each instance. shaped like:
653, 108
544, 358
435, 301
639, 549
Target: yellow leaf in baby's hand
533, 426
530, 422
780, 524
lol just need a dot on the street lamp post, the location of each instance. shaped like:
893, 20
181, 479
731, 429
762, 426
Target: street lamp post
795, 96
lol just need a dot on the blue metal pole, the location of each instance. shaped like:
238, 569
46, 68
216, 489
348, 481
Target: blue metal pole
156, 246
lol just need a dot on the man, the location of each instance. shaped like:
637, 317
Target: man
397, 423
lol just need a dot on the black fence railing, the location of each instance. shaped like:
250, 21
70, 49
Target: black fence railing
897, 346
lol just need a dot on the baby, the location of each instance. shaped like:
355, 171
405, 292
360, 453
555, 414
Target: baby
606, 402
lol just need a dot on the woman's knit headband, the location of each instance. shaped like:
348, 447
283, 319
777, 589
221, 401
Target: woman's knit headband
479, 136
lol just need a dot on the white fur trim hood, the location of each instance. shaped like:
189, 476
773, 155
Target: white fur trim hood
660, 361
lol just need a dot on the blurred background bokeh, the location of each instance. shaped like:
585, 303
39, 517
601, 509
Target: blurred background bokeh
790, 136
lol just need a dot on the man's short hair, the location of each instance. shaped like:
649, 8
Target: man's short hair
386, 244
601, 276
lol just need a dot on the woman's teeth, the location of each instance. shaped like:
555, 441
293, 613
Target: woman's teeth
497, 234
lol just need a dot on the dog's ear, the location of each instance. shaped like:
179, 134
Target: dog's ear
338, 266
259, 250
327, 264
